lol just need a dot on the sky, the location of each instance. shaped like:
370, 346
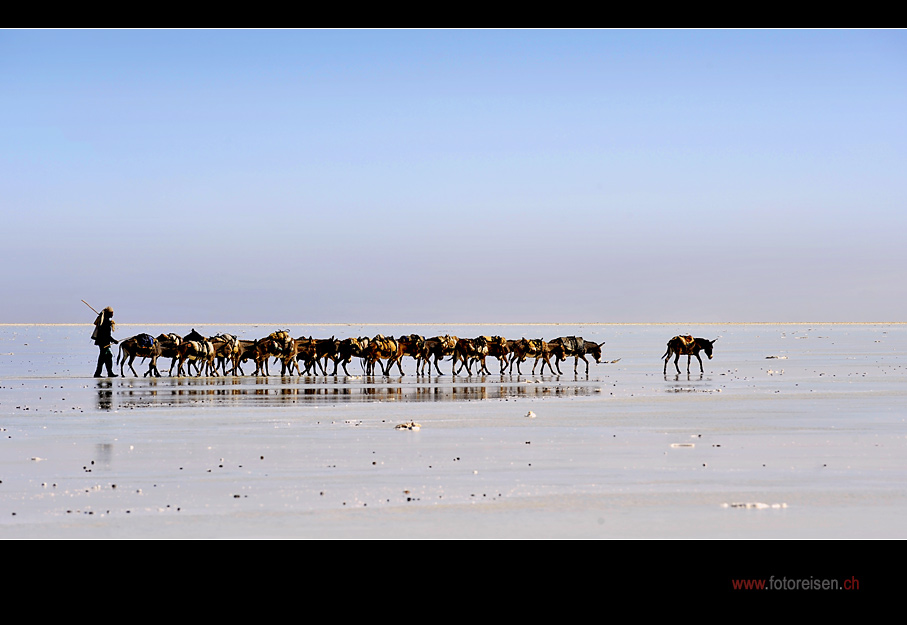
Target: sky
465, 176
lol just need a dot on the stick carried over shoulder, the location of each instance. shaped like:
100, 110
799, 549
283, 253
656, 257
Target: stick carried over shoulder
96, 321
89, 305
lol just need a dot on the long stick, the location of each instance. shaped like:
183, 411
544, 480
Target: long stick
89, 305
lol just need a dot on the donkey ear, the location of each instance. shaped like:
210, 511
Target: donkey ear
602, 343
713, 342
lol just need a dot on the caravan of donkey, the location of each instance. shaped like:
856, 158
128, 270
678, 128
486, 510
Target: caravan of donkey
225, 354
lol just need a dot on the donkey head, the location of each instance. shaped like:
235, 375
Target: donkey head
595, 350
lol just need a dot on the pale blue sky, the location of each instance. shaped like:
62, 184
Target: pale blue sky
494, 176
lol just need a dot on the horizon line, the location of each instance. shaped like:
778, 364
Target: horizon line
532, 323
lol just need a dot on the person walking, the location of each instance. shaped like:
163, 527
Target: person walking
103, 337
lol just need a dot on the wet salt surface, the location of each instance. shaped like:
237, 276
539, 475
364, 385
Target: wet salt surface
792, 431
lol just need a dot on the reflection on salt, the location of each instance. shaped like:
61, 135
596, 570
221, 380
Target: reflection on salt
264, 391
105, 395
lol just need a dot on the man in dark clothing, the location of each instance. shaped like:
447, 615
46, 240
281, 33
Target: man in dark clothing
103, 337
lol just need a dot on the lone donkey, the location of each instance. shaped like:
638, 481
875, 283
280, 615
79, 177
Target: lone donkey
689, 347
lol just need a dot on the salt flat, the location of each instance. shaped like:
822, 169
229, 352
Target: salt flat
792, 431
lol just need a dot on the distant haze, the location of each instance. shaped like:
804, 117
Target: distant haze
469, 176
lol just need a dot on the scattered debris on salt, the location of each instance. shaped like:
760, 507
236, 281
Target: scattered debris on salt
530, 415
756, 505
409, 425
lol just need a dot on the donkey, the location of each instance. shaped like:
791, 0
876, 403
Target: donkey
565, 346
169, 343
200, 351
194, 335
288, 356
226, 349
498, 347
327, 350
471, 350
438, 347
413, 346
348, 349
307, 352
687, 346
276, 345
138, 346
383, 348
248, 350
526, 348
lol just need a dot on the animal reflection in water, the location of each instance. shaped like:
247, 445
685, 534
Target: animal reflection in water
687, 346
176, 392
